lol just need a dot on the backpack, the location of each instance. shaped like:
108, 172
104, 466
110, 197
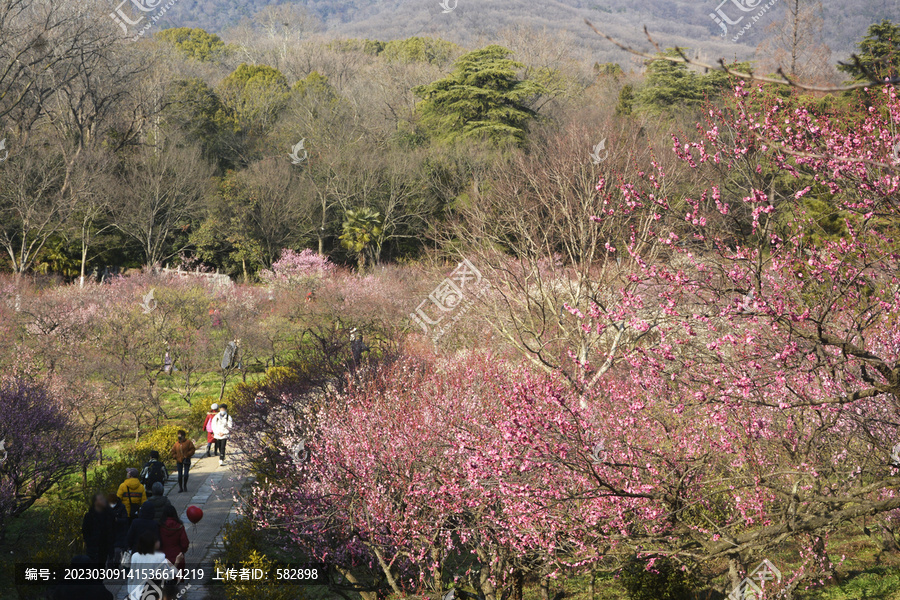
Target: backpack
209, 424
153, 472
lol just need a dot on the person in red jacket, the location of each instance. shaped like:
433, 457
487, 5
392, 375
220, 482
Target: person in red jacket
173, 540
207, 427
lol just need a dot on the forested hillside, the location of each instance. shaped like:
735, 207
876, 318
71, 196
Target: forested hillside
676, 22
496, 313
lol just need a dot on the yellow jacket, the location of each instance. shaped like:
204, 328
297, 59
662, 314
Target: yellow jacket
132, 494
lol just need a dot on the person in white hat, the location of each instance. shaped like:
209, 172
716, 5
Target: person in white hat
207, 426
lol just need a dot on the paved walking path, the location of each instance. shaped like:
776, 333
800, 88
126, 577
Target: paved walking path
210, 487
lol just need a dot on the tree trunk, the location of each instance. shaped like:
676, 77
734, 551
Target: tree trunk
83, 259
545, 588
518, 583
734, 573
364, 595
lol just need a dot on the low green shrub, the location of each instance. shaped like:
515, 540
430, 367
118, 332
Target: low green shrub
160, 440
107, 477
197, 417
244, 549
63, 535
666, 580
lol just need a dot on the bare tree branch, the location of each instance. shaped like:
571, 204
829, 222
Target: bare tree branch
749, 74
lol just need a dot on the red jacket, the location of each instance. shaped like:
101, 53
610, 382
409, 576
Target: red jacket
209, 435
172, 539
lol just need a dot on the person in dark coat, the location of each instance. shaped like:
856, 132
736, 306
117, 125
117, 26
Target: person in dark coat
74, 589
98, 530
159, 501
144, 522
121, 523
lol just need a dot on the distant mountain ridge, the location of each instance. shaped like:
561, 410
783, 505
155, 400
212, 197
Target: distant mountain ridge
684, 23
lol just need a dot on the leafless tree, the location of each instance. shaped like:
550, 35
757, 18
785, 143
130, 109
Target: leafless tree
529, 229
280, 211
160, 189
34, 205
42, 44
794, 44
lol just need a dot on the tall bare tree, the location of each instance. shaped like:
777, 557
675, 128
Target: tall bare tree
530, 229
795, 45
34, 205
159, 194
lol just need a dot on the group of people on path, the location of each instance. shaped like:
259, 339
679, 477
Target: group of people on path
115, 534
141, 530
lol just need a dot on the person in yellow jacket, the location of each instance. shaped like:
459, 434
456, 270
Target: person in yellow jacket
132, 493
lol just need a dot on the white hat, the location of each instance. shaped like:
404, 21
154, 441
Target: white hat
214, 406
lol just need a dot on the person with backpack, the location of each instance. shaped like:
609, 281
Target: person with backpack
182, 452
207, 427
154, 471
132, 493
146, 561
221, 426
159, 501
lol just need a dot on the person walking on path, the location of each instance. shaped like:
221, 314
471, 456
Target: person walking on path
159, 501
147, 559
221, 426
154, 470
120, 527
145, 523
97, 528
132, 493
182, 452
207, 427
173, 539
